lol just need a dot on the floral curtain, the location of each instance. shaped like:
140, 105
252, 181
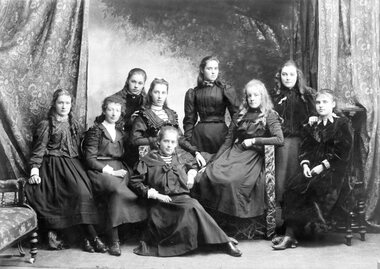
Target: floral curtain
349, 63
43, 46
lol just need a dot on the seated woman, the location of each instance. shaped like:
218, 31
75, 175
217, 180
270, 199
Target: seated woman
59, 188
310, 196
177, 223
104, 151
234, 182
156, 114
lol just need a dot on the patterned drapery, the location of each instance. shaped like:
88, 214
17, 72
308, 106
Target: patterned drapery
43, 46
349, 63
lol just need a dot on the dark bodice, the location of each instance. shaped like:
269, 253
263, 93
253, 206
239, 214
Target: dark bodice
209, 103
56, 142
98, 145
153, 172
294, 108
331, 142
146, 126
269, 133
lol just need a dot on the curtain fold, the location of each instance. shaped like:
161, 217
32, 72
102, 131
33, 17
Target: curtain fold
349, 63
43, 47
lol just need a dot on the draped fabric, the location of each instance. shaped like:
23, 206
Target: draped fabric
349, 63
43, 47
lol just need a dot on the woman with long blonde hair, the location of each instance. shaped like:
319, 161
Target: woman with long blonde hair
233, 183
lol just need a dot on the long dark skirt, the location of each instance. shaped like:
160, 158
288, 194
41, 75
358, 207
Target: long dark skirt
64, 196
234, 183
286, 164
178, 227
208, 137
311, 200
122, 204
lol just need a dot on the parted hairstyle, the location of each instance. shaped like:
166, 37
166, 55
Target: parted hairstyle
149, 98
166, 128
266, 103
202, 66
52, 111
133, 72
108, 100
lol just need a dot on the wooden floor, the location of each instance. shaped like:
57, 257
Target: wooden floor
329, 252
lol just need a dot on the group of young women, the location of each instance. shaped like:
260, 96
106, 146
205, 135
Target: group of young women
137, 164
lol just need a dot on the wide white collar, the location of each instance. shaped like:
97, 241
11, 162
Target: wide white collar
330, 118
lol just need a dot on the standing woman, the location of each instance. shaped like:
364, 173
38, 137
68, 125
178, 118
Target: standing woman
156, 114
59, 188
133, 95
104, 152
208, 101
294, 102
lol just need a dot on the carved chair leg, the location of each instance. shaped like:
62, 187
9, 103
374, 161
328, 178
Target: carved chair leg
349, 221
33, 246
20, 249
361, 216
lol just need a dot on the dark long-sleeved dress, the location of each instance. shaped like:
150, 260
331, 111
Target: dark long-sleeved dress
179, 226
146, 126
209, 103
295, 109
234, 183
312, 199
64, 196
133, 103
123, 205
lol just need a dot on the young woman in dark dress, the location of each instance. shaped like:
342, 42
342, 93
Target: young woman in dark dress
294, 102
208, 101
59, 188
134, 96
156, 113
311, 195
177, 223
234, 182
104, 154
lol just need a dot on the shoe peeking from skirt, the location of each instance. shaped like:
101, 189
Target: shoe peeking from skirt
53, 242
232, 250
114, 249
98, 245
87, 246
286, 242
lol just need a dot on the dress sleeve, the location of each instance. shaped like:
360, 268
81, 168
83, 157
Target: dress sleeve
137, 182
276, 136
229, 140
233, 102
91, 148
40, 141
308, 144
340, 151
139, 135
191, 114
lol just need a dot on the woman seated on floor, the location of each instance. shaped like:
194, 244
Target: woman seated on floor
177, 223
234, 182
310, 196
104, 154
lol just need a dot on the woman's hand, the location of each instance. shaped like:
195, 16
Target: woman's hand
317, 169
120, 173
200, 160
248, 142
312, 120
34, 179
191, 174
163, 198
306, 171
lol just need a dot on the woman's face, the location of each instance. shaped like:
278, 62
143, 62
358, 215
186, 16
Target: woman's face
159, 94
136, 83
253, 97
211, 70
168, 142
324, 104
289, 76
112, 113
63, 105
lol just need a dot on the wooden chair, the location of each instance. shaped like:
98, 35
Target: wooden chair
18, 220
